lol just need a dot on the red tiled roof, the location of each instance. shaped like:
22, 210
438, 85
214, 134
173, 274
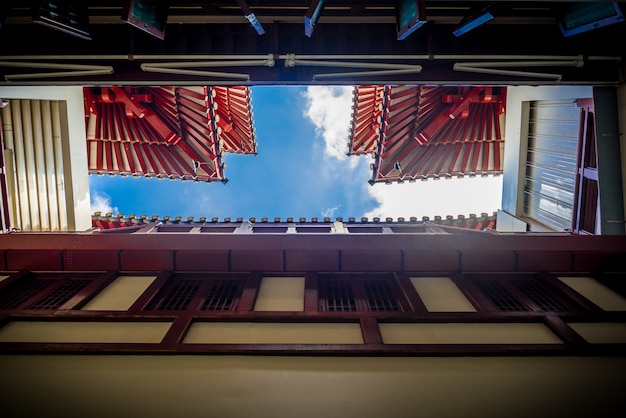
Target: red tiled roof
418, 132
367, 119
175, 132
109, 221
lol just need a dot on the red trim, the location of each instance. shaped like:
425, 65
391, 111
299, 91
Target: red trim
435, 117
182, 118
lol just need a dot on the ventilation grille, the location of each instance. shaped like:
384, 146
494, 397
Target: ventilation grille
221, 296
380, 297
500, 297
211, 294
18, 293
360, 294
61, 294
176, 297
340, 296
540, 296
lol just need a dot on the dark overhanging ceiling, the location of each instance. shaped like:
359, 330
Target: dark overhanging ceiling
355, 42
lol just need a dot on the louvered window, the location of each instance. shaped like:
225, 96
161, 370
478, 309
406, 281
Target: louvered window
206, 293
42, 292
354, 293
523, 294
550, 172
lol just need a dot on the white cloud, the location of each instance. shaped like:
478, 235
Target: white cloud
437, 197
329, 212
329, 108
101, 202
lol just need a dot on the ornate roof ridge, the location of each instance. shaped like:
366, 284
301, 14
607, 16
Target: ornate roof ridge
108, 220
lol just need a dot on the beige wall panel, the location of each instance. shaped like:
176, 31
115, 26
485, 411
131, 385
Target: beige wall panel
470, 333
273, 333
440, 294
41, 172
120, 294
102, 386
29, 166
83, 332
67, 104
21, 181
11, 188
601, 332
55, 108
46, 129
51, 177
596, 292
9, 147
280, 294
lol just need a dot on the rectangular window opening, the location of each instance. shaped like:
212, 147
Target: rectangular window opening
44, 291
356, 293
524, 294
198, 292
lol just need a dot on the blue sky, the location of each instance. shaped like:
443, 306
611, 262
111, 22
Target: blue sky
301, 170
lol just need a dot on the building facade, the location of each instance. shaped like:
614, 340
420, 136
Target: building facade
314, 317
515, 315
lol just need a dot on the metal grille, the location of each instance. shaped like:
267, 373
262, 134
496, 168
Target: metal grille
176, 297
500, 297
60, 295
545, 300
221, 296
340, 296
20, 292
380, 296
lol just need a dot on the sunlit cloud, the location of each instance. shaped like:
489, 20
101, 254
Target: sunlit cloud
101, 202
329, 212
329, 107
431, 198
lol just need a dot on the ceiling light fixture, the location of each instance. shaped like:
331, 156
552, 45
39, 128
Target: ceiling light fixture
149, 16
477, 17
585, 16
251, 17
410, 15
312, 16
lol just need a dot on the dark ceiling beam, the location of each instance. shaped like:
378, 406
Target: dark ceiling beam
215, 28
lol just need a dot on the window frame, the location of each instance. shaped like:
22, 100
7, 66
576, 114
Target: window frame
359, 291
507, 282
199, 296
95, 282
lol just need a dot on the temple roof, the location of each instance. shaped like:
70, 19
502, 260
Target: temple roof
421, 132
174, 132
109, 221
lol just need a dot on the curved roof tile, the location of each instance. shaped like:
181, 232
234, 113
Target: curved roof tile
428, 131
173, 132
109, 221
